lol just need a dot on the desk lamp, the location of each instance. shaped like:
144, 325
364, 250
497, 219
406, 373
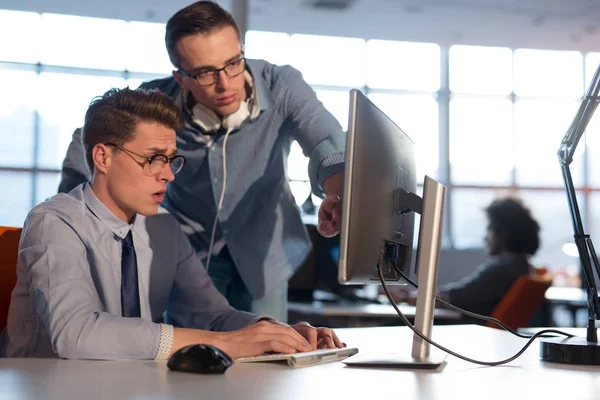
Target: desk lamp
579, 350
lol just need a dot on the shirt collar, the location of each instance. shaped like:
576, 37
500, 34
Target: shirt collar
114, 224
262, 89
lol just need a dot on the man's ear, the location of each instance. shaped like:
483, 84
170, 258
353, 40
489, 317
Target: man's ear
179, 78
102, 157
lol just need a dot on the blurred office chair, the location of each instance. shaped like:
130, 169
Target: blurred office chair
522, 300
9, 248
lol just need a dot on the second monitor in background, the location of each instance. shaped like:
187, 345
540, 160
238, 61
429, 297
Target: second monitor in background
378, 214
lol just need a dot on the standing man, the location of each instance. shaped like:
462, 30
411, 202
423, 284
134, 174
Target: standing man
100, 267
233, 199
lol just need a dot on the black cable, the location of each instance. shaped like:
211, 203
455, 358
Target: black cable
469, 313
425, 338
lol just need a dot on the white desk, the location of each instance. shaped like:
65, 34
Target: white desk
525, 378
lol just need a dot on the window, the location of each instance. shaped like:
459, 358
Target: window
523, 133
17, 117
328, 60
591, 141
548, 73
46, 185
16, 202
469, 222
592, 62
593, 227
20, 33
481, 141
145, 49
503, 111
64, 99
417, 116
551, 210
337, 102
298, 173
271, 46
134, 83
50, 69
540, 126
481, 70
403, 65
83, 42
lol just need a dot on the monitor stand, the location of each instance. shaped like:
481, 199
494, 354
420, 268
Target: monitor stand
428, 255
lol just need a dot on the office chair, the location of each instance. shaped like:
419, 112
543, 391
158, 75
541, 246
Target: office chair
522, 300
9, 247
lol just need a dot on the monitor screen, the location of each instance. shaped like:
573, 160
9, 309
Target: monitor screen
378, 217
380, 172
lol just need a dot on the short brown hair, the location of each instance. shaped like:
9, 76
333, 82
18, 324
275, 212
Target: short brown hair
113, 117
203, 17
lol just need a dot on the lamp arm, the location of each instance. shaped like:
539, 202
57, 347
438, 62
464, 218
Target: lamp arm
583, 241
580, 122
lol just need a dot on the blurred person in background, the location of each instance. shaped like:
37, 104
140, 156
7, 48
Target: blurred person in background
512, 238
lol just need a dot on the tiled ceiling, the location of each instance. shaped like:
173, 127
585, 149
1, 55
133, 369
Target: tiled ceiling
561, 24
562, 9
555, 8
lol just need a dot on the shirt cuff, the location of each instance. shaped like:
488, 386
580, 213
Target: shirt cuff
331, 165
166, 342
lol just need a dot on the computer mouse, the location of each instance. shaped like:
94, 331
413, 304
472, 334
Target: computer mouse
200, 359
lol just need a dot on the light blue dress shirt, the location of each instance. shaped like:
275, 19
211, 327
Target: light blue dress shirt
67, 300
259, 221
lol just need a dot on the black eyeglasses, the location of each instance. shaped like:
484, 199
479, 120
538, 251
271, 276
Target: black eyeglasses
156, 162
209, 76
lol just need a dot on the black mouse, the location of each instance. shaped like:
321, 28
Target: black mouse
200, 359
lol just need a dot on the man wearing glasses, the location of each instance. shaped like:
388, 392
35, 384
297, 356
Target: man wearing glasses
233, 198
100, 268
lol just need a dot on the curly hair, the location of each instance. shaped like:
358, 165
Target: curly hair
512, 221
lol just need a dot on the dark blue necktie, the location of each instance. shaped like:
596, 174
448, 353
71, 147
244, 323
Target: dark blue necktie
130, 293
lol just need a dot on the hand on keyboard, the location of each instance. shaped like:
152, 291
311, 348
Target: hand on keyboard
273, 336
319, 338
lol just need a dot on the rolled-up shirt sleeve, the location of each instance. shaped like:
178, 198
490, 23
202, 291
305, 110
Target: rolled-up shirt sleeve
68, 305
195, 302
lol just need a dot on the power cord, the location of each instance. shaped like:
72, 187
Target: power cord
469, 313
453, 353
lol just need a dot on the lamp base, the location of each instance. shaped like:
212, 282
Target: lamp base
573, 350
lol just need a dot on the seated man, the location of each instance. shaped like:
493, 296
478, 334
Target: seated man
512, 238
100, 267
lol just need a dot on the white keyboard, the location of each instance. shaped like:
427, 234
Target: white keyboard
305, 358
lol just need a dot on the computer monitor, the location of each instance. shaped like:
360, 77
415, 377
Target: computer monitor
378, 212
380, 174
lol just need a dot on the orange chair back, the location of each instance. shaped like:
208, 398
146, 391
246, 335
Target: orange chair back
522, 300
9, 249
